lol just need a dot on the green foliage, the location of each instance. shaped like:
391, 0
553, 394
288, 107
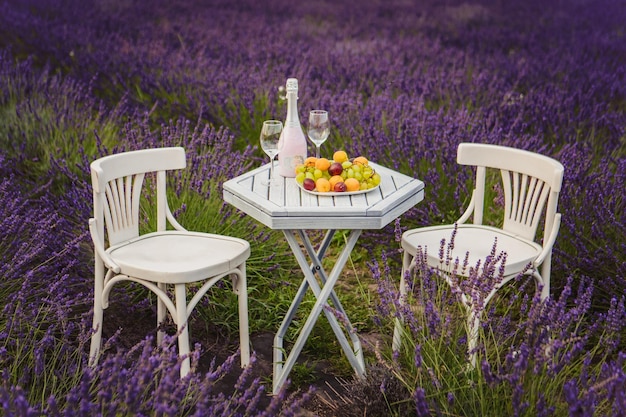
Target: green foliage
245, 120
524, 363
47, 118
303, 374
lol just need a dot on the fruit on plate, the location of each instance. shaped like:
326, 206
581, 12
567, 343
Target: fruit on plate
310, 161
322, 164
340, 156
360, 160
335, 168
340, 187
339, 174
308, 184
335, 179
322, 185
352, 184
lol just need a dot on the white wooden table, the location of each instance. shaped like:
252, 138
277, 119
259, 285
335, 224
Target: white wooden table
286, 207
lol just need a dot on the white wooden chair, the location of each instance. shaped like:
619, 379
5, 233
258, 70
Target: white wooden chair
162, 259
531, 185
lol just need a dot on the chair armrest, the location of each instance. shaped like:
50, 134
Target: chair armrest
549, 242
97, 242
172, 220
468, 211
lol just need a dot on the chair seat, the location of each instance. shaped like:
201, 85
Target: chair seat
179, 257
478, 240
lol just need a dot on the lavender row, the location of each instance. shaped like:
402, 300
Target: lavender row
47, 275
398, 80
404, 84
532, 72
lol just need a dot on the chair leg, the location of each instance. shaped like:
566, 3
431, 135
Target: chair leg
183, 328
98, 313
473, 325
161, 315
244, 335
96, 337
545, 277
399, 322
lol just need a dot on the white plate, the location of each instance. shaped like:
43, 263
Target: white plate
335, 193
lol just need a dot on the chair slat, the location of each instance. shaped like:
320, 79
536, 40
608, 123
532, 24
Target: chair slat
531, 199
121, 210
110, 209
525, 199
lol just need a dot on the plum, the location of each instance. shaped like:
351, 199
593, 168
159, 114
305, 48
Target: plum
335, 169
340, 187
308, 184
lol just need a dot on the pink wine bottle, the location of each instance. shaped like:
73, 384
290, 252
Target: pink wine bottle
292, 142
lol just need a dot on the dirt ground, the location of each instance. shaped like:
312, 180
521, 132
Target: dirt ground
332, 396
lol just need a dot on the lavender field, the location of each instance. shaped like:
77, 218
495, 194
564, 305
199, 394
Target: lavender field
405, 82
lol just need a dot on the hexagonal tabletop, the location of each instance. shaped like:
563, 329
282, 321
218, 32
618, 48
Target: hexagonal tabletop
285, 205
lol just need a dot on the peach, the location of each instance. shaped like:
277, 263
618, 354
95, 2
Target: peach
360, 160
340, 156
334, 180
322, 164
352, 184
310, 161
322, 185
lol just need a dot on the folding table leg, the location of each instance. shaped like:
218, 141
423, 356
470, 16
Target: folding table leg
281, 371
318, 269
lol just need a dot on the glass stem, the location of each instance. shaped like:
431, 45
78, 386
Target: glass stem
317, 151
271, 169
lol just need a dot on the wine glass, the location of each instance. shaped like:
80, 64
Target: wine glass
270, 135
319, 128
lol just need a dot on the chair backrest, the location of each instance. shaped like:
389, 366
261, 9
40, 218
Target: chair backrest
117, 182
530, 181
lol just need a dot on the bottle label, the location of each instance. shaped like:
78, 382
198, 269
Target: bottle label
288, 165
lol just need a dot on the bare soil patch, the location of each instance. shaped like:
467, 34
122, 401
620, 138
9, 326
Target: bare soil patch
332, 396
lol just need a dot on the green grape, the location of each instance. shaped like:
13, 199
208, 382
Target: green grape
344, 174
350, 173
356, 168
363, 186
309, 175
358, 176
346, 164
300, 176
317, 173
376, 178
367, 172
300, 169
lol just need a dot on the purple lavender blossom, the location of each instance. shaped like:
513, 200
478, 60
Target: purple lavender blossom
405, 84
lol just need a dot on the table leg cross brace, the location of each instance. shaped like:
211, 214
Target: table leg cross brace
354, 353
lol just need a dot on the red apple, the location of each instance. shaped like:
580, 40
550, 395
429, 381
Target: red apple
308, 184
335, 168
340, 187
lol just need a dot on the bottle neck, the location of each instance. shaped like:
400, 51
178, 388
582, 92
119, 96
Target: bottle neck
292, 109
